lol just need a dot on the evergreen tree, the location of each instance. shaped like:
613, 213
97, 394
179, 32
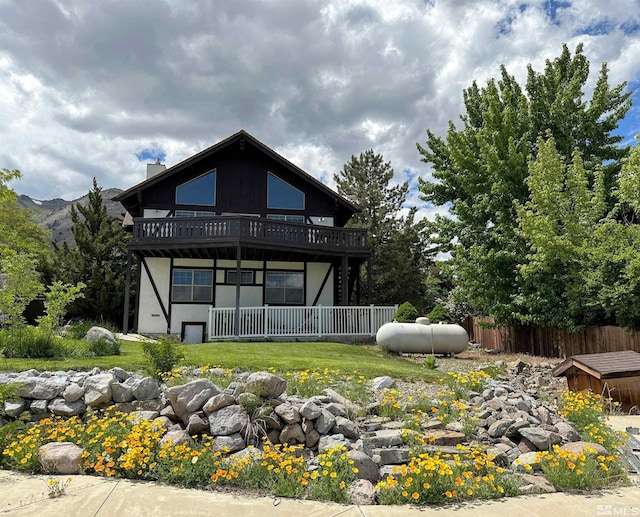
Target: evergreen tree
395, 241
99, 260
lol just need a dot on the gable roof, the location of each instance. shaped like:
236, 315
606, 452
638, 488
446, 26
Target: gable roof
606, 365
240, 136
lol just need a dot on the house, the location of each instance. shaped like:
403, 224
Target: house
238, 241
614, 375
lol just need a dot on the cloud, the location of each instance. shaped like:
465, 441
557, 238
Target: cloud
93, 88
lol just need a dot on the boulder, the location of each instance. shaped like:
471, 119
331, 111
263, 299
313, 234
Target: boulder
175, 437
121, 392
381, 383
73, 392
146, 389
367, 469
585, 447
386, 438
14, 408
362, 492
44, 388
310, 410
218, 402
97, 390
265, 384
231, 443
288, 413
541, 439
292, 434
190, 397
61, 407
346, 427
60, 458
325, 422
98, 334
228, 420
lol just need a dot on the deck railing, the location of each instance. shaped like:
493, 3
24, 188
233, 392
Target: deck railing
211, 229
304, 322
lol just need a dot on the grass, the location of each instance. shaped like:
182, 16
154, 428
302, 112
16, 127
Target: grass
369, 361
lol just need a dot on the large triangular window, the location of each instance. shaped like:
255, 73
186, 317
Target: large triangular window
282, 195
198, 191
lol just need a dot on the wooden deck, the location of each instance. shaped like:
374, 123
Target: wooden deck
206, 231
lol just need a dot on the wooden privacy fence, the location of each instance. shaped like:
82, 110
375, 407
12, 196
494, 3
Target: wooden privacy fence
549, 341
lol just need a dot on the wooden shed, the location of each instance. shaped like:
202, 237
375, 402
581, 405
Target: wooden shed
615, 375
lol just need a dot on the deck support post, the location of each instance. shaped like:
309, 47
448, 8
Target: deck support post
236, 322
127, 294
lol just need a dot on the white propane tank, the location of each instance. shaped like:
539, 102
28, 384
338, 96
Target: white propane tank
423, 338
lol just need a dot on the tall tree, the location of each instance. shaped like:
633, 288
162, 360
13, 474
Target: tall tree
98, 260
395, 240
482, 168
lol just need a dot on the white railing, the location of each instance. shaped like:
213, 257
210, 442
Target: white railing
317, 321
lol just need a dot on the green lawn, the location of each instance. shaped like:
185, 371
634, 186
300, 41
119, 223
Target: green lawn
369, 361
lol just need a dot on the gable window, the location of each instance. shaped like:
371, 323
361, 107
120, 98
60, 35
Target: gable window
198, 191
286, 217
192, 285
246, 277
282, 195
284, 287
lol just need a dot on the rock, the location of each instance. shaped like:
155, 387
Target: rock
445, 438
218, 402
231, 443
146, 389
311, 438
392, 455
325, 422
310, 410
44, 388
541, 439
15, 408
73, 392
61, 407
580, 446
38, 407
197, 424
339, 399
288, 413
139, 416
327, 442
567, 432
190, 397
362, 492
367, 469
228, 420
121, 392
292, 434
120, 374
528, 458
98, 334
265, 384
381, 383
386, 438
535, 484
97, 390
176, 437
346, 427
60, 458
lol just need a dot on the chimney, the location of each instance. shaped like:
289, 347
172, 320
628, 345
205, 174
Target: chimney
155, 168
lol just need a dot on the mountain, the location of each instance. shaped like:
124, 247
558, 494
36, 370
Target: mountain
55, 214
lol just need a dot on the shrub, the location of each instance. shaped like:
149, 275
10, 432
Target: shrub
438, 314
163, 355
103, 347
31, 343
406, 313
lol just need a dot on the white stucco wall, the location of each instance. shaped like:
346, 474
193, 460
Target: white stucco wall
150, 317
315, 275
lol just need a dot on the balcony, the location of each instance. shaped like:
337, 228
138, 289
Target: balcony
204, 233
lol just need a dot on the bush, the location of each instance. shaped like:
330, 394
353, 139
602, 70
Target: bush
438, 314
31, 343
103, 347
163, 355
406, 313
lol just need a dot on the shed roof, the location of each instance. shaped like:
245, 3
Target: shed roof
606, 365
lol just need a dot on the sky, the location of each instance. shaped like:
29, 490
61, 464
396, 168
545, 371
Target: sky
100, 88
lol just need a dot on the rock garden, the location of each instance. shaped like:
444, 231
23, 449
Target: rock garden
501, 430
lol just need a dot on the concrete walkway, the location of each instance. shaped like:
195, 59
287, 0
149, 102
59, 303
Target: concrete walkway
90, 496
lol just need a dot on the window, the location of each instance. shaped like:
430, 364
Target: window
192, 285
246, 277
282, 195
287, 218
198, 191
286, 287
194, 213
